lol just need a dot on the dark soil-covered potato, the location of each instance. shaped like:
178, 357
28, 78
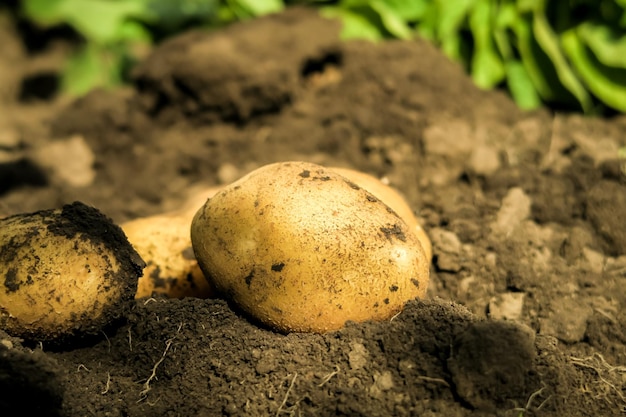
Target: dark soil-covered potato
65, 272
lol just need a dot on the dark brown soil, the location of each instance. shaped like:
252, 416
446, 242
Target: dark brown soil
525, 314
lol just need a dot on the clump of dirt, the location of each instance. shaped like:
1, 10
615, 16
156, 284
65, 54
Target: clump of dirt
528, 282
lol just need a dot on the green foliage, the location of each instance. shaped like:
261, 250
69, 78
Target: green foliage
116, 31
566, 53
569, 53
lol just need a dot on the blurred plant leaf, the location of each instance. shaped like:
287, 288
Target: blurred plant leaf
550, 44
608, 44
531, 59
487, 66
260, 7
408, 10
450, 18
97, 20
608, 83
88, 68
355, 25
521, 86
392, 21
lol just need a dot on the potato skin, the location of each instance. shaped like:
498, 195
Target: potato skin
164, 243
64, 273
301, 248
392, 198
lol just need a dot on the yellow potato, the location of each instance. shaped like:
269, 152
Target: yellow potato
64, 273
392, 198
164, 243
301, 248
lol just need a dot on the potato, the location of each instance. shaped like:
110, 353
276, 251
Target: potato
64, 273
301, 248
392, 198
164, 243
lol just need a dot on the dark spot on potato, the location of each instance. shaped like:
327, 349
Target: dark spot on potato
305, 174
325, 178
392, 211
10, 280
189, 254
393, 288
159, 281
352, 185
156, 273
236, 187
394, 231
371, 198
415, 282
256, 203
376, 304
249, 278
278, 267
386, 301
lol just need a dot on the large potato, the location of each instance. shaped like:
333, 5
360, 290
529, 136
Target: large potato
392, 198
63, 273
164, 243
301, 248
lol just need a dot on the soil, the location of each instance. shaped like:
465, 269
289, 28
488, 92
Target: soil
525, 310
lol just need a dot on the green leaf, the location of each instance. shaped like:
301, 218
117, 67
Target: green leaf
487, 66
525, 6
607, 83
408, 10
427, 26
97, 20
506, 15
261, 7
608, 45
521, 86
89, 68
355, 25
450, 18
531, 58
538, 65
392, 22
43, 11
550, 44
133, 32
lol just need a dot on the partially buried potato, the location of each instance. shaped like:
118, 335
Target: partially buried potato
302, 248
63, 273
164, 243
171, 267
